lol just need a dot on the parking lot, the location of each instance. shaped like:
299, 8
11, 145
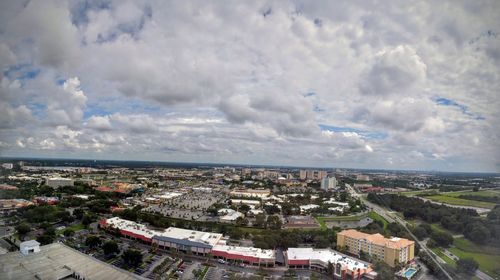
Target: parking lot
190, 206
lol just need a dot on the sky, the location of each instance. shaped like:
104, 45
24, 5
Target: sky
353, 84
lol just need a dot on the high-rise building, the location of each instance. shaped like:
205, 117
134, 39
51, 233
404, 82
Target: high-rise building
392, 250
303, 174
321, 174
328, 183
310, 174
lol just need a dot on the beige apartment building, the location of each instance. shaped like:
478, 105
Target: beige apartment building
392, 250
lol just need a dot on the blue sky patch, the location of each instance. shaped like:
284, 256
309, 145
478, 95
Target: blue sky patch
21, 72
364, 133
463, 108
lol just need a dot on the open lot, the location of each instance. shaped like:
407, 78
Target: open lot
488, 257
444, 198
355, 221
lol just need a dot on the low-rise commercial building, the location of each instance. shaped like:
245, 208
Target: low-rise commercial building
390, 250
249, 255
259, 193
12, 205
196, 242
59, 182
344, 267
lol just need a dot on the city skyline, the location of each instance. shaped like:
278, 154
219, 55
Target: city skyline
405, 86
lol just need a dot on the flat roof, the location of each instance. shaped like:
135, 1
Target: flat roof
193, 235
167, 234
133, 227
57, 261
245, 251
326, 255
378, 239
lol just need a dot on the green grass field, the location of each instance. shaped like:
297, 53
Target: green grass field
376, 217
412, 193
444, 198
440, 253
486, 193
487, 256
75, 227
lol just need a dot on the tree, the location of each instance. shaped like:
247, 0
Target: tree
45, 239
132, 257
467, 265
244, 208
110, 247
273, 222
384, 270
420, 233
260, 220
330, 269
78, 213
23, 229
240, 221
479, 234
68, 232
272, 209
93, 241
87, 219
129, 214
442, 238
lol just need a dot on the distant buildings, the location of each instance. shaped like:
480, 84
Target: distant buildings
8, 206
59, 182
229, 215
328, 183
7, 187
308, 174
50, 200
7, 165
258, 193
56, 261
390, 250
307, 207
362, 177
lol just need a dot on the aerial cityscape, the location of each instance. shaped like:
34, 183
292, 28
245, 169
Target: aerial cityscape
210, 140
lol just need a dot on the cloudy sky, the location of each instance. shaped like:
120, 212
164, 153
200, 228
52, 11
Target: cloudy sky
403, 85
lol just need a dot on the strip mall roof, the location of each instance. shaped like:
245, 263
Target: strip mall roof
325, 256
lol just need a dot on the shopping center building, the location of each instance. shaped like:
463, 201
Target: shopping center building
249, 255
343, 266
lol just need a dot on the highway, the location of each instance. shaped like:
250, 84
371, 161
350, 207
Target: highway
391, 217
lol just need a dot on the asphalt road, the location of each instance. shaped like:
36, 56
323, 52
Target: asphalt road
393, 218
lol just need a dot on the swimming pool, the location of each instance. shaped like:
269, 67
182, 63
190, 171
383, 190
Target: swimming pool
409, 272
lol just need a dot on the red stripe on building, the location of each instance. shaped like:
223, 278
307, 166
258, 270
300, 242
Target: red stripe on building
138, 236
235, 256
298, 262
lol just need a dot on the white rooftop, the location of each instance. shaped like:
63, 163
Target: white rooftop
308, 207
172, 232
245, 201
193, 235
246, 251
325, 256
